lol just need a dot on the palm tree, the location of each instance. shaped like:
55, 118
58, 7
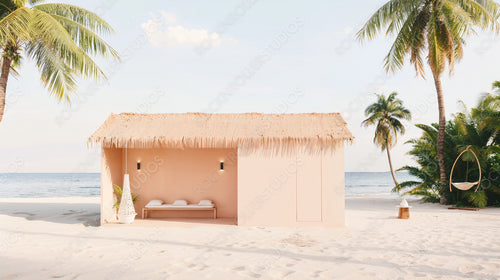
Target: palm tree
478, 128
436, 29
488, 111
59, 38
386, 114
426, 174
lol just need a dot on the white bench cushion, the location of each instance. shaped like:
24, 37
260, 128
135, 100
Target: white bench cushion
180, 202
155, 202
180, 207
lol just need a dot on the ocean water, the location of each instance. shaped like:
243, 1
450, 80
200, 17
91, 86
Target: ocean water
373, 183
88, 184
49, 184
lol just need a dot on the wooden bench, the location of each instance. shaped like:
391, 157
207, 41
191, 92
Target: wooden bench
169, 207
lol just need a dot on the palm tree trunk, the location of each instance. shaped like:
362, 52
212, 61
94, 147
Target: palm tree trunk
440, 137
6, 62
390, 166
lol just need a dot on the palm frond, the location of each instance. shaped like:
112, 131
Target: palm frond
19, 3
56, 75
16, 25
478, 199
438, 28
394, 11
483, 13
436, 56
402, 44
67, 60
86, 39
82, 16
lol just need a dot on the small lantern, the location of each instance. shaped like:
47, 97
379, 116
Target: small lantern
404, 209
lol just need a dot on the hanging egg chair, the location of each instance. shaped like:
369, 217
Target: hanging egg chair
464, 186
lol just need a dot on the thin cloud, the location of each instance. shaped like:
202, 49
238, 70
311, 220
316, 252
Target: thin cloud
163, 32
168, 17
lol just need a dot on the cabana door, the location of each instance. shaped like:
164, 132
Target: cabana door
309, 189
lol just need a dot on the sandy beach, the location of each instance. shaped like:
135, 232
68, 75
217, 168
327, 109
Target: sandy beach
43, 238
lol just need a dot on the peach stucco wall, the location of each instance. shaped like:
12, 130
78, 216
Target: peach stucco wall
298, 189
170, 174
111, 173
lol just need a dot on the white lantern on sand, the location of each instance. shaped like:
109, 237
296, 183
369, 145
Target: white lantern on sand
126, 211
404, 209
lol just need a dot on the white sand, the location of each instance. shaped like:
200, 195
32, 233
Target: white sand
57, 238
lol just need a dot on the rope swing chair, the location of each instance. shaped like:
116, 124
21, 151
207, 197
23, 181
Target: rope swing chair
464, 186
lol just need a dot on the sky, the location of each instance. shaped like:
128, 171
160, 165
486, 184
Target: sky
265, 56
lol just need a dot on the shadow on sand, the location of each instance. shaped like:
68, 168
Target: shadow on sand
86, 214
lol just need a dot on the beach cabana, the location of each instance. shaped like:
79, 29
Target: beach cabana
258, 169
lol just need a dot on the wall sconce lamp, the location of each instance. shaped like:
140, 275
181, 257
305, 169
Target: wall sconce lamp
139, 165
222, 166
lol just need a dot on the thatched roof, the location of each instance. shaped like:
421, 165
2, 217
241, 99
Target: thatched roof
200, 130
